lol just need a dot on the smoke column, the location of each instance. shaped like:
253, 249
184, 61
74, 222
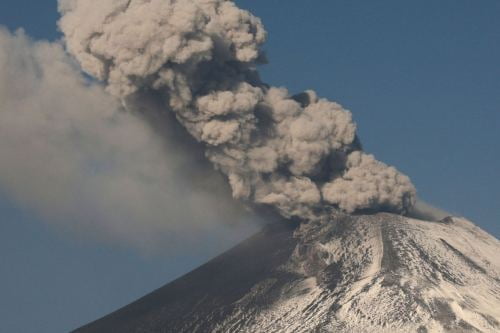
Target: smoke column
72, 155
299, 153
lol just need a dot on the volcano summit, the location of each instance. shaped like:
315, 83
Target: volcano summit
365, 273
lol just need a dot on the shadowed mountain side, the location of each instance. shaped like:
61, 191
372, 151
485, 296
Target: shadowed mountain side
207, 292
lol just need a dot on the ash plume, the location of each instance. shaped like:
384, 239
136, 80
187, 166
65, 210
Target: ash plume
297, 153
71, 154
424, 211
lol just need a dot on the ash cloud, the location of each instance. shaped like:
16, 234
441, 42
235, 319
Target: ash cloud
424, 211
70, 152
299, 154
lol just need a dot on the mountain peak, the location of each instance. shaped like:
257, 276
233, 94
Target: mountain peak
345, 273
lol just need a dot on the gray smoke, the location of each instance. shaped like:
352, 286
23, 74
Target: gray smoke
424, 211
299, 154
69, 152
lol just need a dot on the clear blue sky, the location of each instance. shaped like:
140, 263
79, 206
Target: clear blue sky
421, 77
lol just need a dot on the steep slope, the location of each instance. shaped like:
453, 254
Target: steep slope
367, 273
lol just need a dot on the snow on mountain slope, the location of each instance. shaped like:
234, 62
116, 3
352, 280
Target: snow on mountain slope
366, 273
388, 273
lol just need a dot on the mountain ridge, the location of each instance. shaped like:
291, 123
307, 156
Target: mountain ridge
342, 273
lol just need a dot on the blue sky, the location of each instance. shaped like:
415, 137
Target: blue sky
422, 79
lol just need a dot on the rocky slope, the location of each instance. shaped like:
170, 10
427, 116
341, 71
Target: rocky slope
365, 273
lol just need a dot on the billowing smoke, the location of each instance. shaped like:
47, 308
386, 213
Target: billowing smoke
299, 154
72, 154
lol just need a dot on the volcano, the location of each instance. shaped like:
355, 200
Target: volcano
346, 273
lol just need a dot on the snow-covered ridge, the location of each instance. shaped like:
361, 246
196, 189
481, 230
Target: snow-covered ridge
386, 273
